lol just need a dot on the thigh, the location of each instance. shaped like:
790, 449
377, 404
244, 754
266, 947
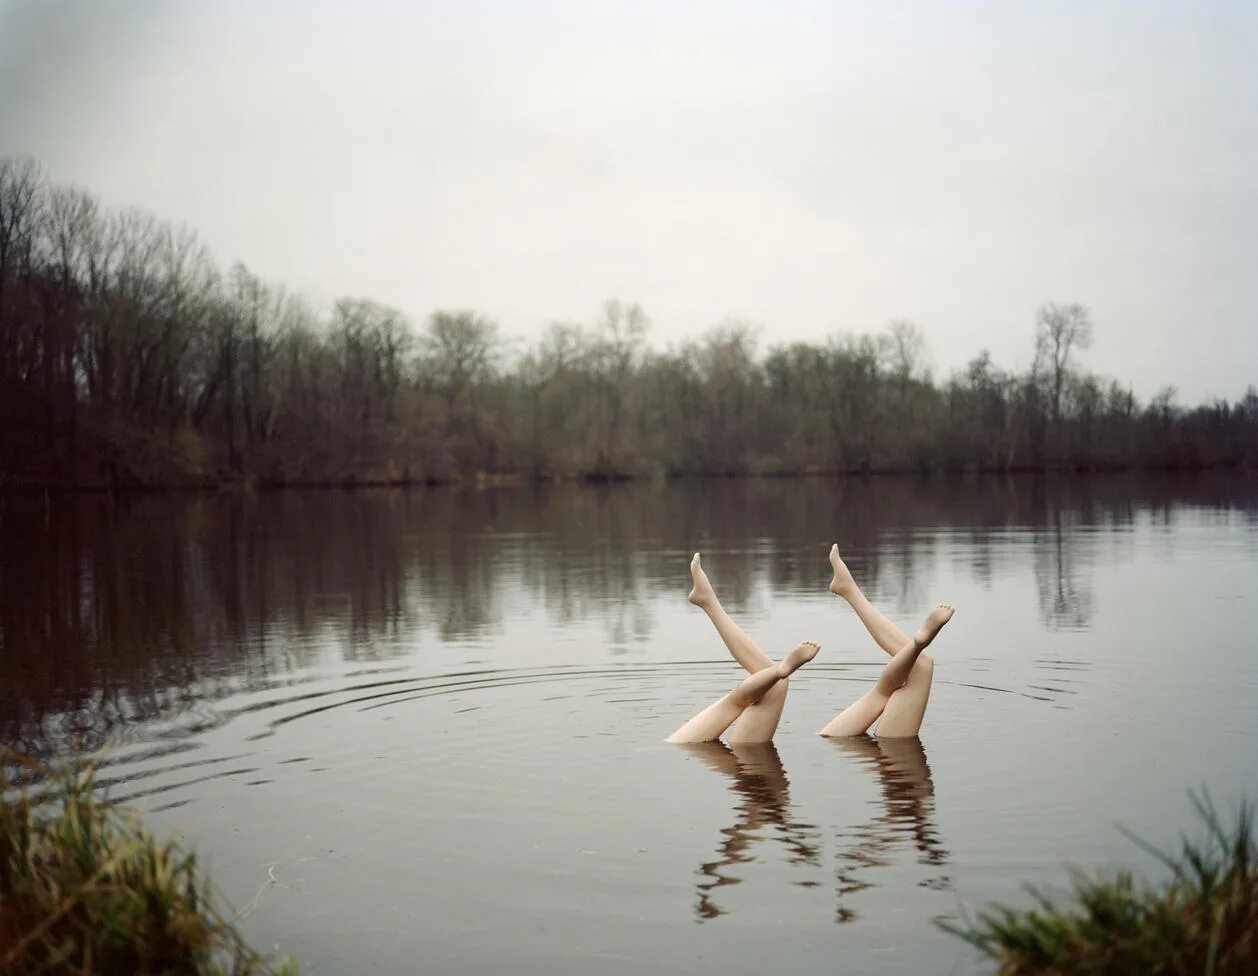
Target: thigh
858, 716
906, 707
758, 722
709, 724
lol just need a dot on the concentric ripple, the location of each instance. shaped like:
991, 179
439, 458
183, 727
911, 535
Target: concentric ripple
255, 734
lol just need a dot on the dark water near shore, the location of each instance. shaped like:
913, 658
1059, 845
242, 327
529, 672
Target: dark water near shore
423, 730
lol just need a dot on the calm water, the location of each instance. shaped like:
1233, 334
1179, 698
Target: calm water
424, 729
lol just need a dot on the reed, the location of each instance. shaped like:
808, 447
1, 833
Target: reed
1203, 920
84, 888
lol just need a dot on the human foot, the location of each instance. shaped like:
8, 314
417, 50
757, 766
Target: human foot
934, 624
800, 656
842, 584
702, 594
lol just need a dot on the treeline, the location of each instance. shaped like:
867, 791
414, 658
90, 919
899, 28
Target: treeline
128, 358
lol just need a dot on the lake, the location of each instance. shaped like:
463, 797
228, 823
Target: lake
423, 730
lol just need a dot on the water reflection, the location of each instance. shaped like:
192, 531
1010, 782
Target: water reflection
763, 792
1062, 576
121, 609
906, 820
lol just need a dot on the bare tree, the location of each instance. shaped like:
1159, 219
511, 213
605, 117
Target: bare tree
1060, 330
458, 358
459, 351
21, 186
125, 355
903, 349
730, 377
620, 339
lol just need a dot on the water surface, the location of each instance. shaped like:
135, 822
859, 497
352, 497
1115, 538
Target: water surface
425, 729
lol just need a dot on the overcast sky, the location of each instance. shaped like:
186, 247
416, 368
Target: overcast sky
813, 167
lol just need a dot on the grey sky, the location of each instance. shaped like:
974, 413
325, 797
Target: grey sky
814, 167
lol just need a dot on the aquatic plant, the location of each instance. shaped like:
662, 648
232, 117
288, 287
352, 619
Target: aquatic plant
84, 888
1203, 920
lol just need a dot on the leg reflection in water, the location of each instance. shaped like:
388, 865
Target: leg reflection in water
763, 792
907, 818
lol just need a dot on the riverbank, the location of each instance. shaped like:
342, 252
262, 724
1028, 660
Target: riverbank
1203, 920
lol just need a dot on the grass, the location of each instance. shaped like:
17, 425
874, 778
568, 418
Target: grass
1203, 921
85, 889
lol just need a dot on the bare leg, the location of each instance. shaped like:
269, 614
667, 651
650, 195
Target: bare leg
746, 652
907, 707
759, 721
720, 715
862, 713
889, 637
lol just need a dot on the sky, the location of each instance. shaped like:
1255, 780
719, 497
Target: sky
810, 167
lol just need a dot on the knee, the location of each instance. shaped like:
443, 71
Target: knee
878, 698
887, 686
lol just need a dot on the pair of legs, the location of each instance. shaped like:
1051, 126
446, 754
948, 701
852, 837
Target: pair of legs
862, 713
758, 720
900, 696
905, 709
722, 713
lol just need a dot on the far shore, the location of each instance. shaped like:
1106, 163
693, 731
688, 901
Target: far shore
504, 479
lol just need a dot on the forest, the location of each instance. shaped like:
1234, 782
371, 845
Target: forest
128, 358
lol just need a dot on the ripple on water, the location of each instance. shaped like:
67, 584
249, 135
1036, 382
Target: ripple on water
641, 702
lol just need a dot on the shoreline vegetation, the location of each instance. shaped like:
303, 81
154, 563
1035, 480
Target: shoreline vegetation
84, 888
128, 359
1203, 920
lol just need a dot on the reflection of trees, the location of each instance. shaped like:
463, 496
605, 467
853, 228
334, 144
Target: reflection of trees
763, 792
120, 608
1061, 575
907, 818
